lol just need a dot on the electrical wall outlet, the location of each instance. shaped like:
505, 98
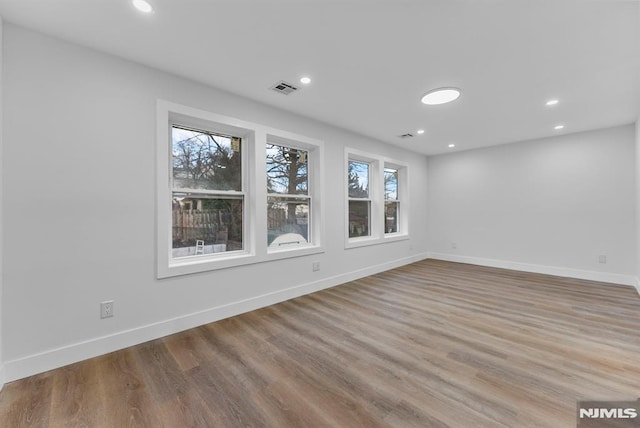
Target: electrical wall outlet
602, 259
454, 246
316, 266
106, 309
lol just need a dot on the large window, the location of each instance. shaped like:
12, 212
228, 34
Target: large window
359, 201
232, 192
375, 188
207, 192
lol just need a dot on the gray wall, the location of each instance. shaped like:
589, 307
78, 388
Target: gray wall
79, 199
554, 204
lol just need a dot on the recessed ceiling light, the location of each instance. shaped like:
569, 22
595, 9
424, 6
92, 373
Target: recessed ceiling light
558, 127
420, 131
305, 80
441, 96
451, 146
552, 102
142, 6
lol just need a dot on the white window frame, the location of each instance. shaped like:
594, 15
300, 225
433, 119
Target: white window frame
176, 121
254, 139
313, 184
169, 114
377, 163
371, 183
400, 200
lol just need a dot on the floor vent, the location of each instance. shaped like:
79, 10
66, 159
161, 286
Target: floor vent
284, 88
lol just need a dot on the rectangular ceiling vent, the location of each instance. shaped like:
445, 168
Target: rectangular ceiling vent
407, 135
284, 88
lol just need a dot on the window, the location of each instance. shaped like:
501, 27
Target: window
391, 202
375, 188
359, 202
288, 197
232, 192
207, 192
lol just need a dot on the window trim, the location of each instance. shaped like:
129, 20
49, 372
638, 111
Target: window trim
388, 200
288, 196
314, 151
169, 114
369, 199
255, 137
376, 195
401, 199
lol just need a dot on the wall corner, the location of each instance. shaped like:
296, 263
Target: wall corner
2, 372
637, 216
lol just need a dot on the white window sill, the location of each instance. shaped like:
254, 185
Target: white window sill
205, 263
366, 241
196, 264
392, 237
299, 251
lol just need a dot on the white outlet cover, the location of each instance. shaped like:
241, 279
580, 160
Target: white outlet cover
106, 309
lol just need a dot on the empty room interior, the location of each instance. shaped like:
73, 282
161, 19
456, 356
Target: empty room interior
387, 213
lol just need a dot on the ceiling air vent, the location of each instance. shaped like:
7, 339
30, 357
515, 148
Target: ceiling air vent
407, 135
284, 88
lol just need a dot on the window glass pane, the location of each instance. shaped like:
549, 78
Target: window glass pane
390, 217
204, 225
390, 184
358, 179
287, 170
204, 160
287, 221
358, 218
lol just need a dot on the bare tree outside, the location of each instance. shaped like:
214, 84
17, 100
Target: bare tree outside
203, 160
391, 203
359, 203
287, 187
206, 217
358, 179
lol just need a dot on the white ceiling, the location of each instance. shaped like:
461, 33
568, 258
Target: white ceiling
372, 60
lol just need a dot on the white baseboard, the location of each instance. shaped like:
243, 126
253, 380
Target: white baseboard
2, 376
54, 358
614, 278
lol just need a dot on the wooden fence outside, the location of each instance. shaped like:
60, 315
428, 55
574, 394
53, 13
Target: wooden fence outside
211, 226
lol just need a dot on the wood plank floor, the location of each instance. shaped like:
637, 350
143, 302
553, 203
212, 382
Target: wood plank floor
432, 344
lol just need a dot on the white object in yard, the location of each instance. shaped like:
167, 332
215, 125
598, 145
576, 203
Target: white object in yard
288, 239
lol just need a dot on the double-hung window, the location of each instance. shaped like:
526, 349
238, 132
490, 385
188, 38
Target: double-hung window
207, 192
376, 185
232, 192
359, 198
288, 197
391, 201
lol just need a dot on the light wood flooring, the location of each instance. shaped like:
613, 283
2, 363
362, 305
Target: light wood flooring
432, 344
